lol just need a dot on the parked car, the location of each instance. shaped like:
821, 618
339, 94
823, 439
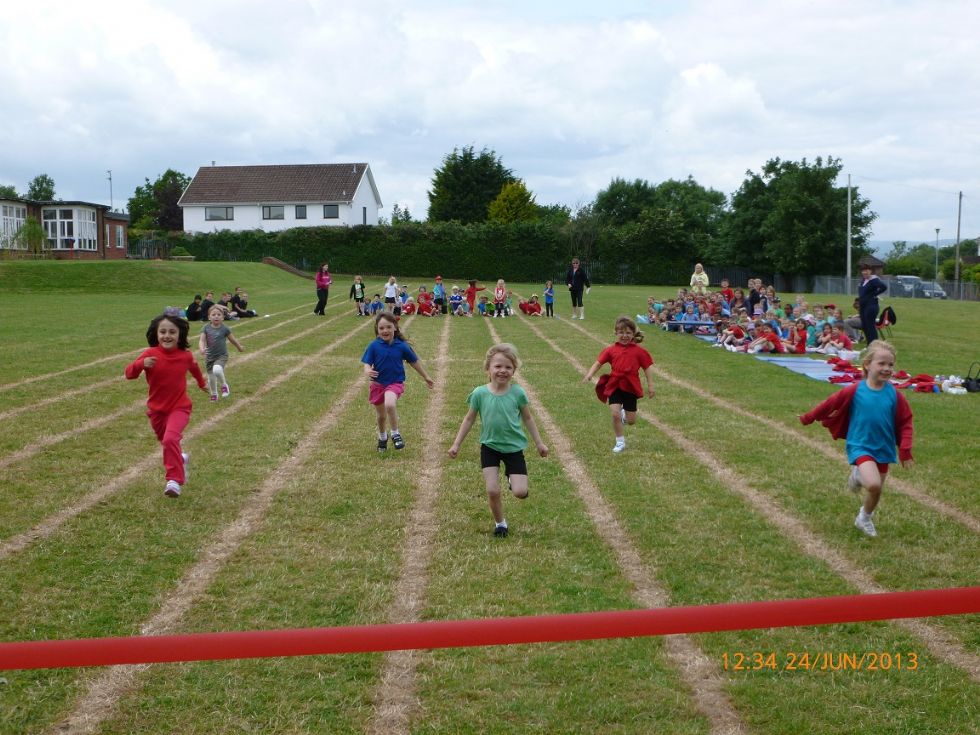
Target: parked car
932, 290
910, 286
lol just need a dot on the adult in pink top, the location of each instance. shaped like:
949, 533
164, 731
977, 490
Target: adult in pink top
323, 281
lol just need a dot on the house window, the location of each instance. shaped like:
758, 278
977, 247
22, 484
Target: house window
363, 215
300, 211
70, 229
273, 212
14, 217
106, 240
219, 214
120, 236
331, 211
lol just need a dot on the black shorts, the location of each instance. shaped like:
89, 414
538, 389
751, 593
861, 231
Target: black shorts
389, 299
627, 399
514, 463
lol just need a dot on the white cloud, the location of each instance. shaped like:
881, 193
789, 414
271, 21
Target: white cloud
569, 94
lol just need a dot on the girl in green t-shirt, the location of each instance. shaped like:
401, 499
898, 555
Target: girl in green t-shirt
502, 406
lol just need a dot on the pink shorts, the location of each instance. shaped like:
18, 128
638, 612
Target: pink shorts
377, 394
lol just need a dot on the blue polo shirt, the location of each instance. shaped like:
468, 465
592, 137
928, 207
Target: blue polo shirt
388, 359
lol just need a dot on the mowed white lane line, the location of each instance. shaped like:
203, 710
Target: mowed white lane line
102, 695
118, 357
39, 444
697, 669
35, 404
395, 702
52, 523
942, 645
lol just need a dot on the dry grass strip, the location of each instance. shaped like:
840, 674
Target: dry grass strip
53, 522
941, 645
696, 668
99, 701
395, 701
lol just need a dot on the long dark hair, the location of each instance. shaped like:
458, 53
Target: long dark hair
394, 322
183, 328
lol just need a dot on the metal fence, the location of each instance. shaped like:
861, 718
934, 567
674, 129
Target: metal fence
964, 291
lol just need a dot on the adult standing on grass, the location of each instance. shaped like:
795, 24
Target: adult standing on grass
873, 418
166, 364
502, 406
323, 281
699, 280
577, 281
871, 287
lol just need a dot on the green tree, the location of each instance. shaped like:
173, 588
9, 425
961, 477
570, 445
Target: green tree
8, 192
514, 203
41, 188
399, 215
154, 206
792, 218
465, 185
32, 235
623, 201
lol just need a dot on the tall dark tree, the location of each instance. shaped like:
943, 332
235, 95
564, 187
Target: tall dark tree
8, 192
623, 201
466, 184
792, 218
154, 206
700, 211
41, 188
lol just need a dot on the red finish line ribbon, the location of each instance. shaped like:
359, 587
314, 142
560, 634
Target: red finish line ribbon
488, 632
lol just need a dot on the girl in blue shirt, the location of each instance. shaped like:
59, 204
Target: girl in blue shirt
383, 363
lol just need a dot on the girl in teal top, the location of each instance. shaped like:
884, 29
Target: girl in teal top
502, 406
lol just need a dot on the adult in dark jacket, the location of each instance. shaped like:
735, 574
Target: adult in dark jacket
194, 309
577, 281
869, 290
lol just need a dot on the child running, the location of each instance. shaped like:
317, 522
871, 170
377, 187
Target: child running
383, 364
166, 364
621, 387
214, 348
501, 405
873, 417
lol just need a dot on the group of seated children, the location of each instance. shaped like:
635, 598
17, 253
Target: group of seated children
235, 306
759, 322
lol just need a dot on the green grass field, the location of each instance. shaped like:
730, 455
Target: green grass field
291, 519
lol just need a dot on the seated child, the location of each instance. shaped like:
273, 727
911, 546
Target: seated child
456, 302
483, 308
532, 307
798, 335
425, 302
839, 341
766, 340
376, 306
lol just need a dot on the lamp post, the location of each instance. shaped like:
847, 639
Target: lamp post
935, 276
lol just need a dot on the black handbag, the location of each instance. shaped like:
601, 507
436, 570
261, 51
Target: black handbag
972, 382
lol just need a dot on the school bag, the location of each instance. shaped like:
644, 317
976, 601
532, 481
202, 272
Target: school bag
972, 382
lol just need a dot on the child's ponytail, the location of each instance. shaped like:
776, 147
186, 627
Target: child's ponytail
624, 322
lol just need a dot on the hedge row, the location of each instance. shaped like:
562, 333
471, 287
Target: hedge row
522, 251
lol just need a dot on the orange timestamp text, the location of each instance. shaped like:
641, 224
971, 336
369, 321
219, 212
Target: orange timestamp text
820, 661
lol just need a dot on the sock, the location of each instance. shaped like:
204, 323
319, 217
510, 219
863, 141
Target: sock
394, 432
502, 524
383, 435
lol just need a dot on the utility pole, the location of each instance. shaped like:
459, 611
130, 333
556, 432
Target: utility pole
956, 277
109, 176
848, 277
935, 276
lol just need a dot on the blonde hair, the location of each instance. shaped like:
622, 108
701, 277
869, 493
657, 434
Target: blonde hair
624, 322
507, 350
879, 345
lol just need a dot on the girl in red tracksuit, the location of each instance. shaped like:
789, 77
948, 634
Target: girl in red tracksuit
621, 388
166, 364
874, 418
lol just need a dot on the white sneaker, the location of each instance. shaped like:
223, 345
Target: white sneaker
225, 391
187, 460
619, 446
865, 523
853, 481
172, 490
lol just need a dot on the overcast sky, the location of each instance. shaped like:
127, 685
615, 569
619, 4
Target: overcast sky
568, 93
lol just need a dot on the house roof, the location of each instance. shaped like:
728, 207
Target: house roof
872, 261
313, 182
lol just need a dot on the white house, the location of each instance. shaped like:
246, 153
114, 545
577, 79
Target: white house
275, 198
